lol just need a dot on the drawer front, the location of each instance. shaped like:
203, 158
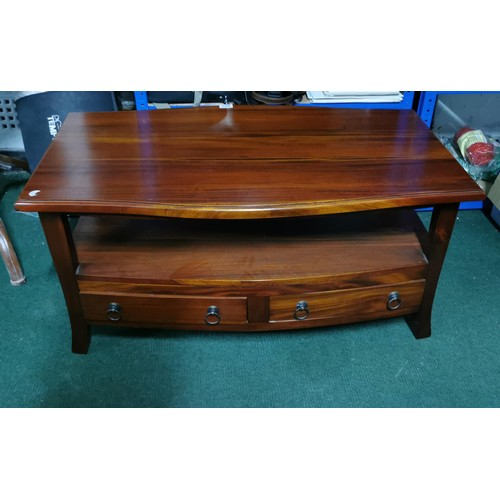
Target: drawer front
163, 309
350, 305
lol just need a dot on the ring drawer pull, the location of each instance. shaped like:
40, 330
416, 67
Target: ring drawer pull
393, 301
114, 311
301, 310
212, 317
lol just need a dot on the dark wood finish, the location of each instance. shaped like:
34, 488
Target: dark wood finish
440, 230
258, 309
10, 259
188, 312
355, 304
247, 162
59, 239
344, 251
163, 309
148, 259
284, 164
248, 327
255, 290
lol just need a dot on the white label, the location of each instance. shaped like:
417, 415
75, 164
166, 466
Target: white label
54, 125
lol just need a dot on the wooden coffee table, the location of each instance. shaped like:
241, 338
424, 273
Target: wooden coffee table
246, 219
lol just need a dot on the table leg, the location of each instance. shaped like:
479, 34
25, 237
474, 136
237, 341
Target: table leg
60, 241
440, 229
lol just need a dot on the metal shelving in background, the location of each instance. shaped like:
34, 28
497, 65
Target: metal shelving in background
142, 103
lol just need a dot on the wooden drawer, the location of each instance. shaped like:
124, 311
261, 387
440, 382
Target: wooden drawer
351, 305
130, 308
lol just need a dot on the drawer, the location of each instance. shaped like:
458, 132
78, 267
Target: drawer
355, 304
131, 308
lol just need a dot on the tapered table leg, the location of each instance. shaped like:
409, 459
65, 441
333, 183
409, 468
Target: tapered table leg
60, 241
10, 258
440, 229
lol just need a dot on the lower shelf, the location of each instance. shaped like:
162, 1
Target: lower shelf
373, 246
250, 275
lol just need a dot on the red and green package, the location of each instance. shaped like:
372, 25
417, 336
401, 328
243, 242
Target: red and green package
474, 147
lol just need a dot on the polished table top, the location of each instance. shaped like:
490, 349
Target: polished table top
245, 162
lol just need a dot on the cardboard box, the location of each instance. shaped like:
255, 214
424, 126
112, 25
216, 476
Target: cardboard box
494, 193
484, 185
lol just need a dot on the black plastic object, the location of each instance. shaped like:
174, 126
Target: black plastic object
41, 115
275, 97
187, 97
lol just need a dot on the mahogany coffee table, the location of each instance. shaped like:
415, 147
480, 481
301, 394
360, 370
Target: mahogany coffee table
246, 219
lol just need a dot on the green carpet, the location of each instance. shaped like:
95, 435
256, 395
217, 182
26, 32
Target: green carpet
376, 364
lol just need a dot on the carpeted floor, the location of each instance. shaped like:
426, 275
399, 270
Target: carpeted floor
377, 364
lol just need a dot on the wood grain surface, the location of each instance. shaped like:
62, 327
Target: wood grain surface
163, 309
344, 250
246, 162
358, 302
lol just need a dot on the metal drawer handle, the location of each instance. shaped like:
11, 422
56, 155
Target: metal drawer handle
212, 317
114, 311
393, 301
301, 310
